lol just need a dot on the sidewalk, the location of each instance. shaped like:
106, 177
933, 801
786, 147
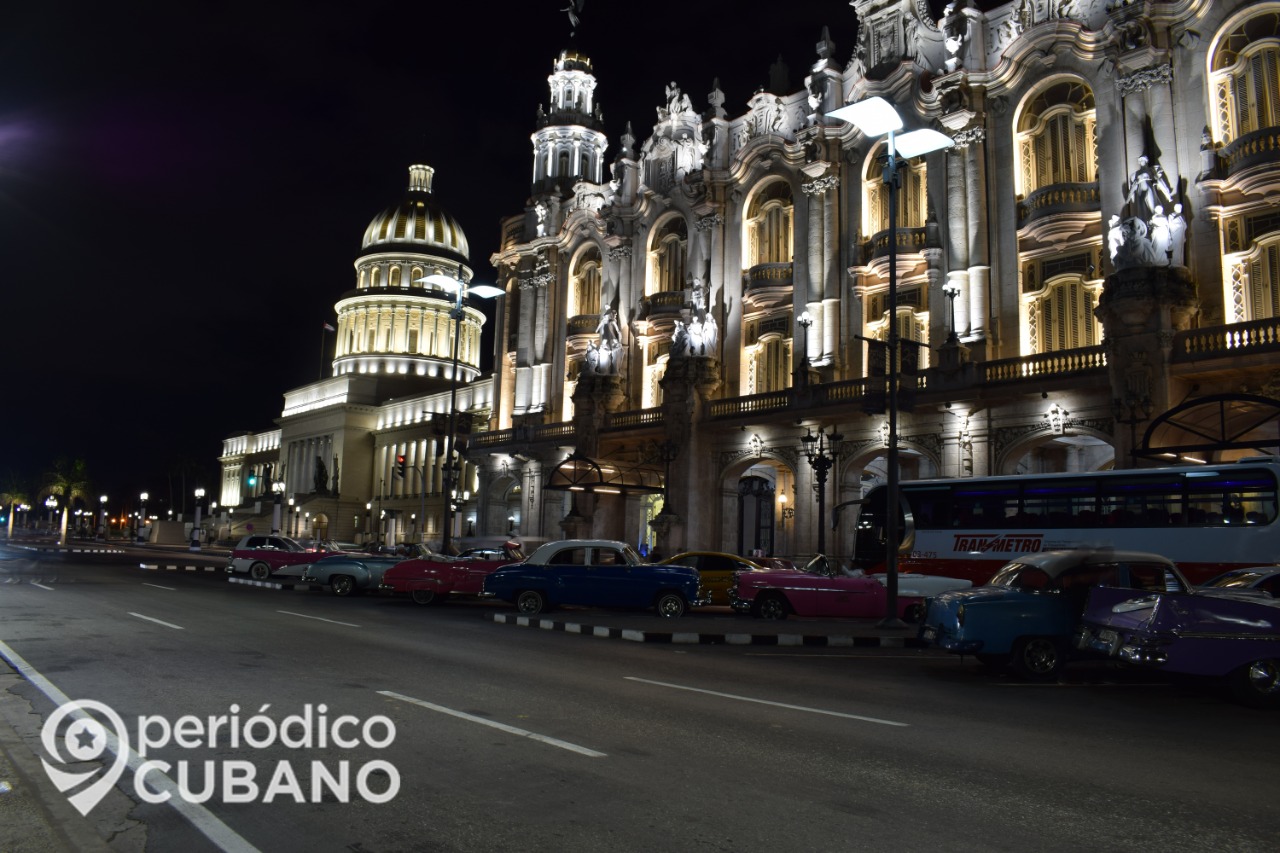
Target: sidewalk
34, 817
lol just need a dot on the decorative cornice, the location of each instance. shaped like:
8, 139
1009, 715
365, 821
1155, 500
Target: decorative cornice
706, 223
1144, 78
974, 135
620, 253
821, 185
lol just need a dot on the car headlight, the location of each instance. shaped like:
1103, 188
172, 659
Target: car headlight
960, 615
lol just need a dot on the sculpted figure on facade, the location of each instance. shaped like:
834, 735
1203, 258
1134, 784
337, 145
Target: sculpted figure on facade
1147, 185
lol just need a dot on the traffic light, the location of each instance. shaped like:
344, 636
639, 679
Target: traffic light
253, 480
400, 465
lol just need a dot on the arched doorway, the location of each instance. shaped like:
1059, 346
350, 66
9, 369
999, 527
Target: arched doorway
1216, 428
755, 515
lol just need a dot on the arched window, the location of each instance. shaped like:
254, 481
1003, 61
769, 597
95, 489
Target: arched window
1061, 316
1245, 78
769, 367
393, 277
912, 201
666, 256
768, 226
584, 285
1057, 138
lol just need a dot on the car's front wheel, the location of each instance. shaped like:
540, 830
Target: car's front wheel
424, 596
531, 602
343, 585
259, 571
771, 605
670, 605
1257, 684
913, 613
1038, 658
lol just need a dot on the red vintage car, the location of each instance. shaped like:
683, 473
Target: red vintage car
823, 589
433, 579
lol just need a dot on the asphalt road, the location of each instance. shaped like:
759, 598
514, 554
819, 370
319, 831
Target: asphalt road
513, 738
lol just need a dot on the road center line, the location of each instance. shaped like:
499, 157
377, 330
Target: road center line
318, 618
42, 586
767, 702
157, 621
157, 586
462, 715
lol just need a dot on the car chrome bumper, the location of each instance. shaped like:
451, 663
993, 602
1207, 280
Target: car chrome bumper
1143, 655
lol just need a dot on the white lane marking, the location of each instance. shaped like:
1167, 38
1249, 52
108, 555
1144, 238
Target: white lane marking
198, 816
157, 621
158, 586
318, 618
42, 586
461, 715
767, 702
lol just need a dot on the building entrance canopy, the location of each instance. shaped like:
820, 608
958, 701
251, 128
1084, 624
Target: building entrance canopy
1207, 426
579, 473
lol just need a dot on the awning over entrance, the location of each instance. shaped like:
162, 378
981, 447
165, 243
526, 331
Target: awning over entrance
1207, 426
578, 473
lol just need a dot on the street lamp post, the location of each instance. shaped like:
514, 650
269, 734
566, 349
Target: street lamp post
102, 527
952, 290
820, 451
195, 525
142, 514
460, 289
876, 117
50, 503
277, 507
805, 320
291, 519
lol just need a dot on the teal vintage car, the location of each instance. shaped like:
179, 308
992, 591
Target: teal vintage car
594, 573
1025, 618
347, 574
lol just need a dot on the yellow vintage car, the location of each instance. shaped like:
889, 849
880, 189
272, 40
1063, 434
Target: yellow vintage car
716, 570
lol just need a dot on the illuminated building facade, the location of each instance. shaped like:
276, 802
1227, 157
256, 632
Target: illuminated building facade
1090, 277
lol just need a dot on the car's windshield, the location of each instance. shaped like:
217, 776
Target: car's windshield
1239, 580
1021, 576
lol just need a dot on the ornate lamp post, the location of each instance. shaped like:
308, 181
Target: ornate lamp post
820, 451
102, 525
952, 290
277, 509
195, 525
460, 290
804, 321
51, 503
142, 514
876, 117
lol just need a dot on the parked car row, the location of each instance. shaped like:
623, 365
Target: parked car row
1040, 610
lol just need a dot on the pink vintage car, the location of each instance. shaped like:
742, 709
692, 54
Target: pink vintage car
823, 589
433, 579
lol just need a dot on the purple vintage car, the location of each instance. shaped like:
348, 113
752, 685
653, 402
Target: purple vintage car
1235, 638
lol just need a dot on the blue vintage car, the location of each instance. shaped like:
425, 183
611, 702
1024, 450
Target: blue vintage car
347, 574
593, 573
1025, 618
1233, 637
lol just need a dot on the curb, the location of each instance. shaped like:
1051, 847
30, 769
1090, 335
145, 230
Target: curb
64, 550
711, 638
155, 567
307, 587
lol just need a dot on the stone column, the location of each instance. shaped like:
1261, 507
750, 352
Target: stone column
687, 387
1140, 309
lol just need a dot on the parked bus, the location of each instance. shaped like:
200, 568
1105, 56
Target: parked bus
1206, 518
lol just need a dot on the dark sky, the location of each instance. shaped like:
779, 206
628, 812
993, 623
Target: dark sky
184, 185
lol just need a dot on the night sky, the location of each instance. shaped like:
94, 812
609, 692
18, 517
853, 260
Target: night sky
184, 186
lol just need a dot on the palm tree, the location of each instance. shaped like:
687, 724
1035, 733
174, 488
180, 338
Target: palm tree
12, 494
70, 481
